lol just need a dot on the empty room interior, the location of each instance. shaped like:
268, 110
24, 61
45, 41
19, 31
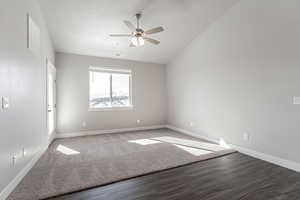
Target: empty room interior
149, 99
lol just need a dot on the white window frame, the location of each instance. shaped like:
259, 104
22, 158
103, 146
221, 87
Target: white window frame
112, 71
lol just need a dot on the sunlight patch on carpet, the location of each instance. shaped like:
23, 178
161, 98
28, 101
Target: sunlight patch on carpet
145, 141
65, 150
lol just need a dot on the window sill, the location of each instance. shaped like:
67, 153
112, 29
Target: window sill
111, 109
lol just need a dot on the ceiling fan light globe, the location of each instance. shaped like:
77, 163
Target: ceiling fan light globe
134, 41
141, 41
138, 41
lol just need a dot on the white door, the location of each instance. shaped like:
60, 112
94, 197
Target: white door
51, 98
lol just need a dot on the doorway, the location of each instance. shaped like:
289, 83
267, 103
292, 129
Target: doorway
51, 99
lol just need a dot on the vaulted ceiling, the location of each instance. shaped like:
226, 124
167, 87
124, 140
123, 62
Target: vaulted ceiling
83, 26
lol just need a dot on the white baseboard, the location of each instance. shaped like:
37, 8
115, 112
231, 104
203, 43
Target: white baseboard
11, 186
269, 158
174, 128
266, 157
98, 132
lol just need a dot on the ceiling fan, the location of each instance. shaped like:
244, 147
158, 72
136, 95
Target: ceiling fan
139, 36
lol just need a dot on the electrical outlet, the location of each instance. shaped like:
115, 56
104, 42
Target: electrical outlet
138, 121
246, 136
5, 102
14, 160
24, 152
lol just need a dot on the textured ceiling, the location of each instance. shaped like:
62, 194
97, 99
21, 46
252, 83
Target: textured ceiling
83, 26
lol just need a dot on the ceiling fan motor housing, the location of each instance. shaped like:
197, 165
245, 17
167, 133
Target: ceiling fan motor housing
139, 32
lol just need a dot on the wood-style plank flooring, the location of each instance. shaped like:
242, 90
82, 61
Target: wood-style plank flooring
232, 177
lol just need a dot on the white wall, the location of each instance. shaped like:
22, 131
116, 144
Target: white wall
149, 95
240, 76
23, 80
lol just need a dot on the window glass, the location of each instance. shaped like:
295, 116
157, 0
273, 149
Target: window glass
99, 90
109, 89
120, 89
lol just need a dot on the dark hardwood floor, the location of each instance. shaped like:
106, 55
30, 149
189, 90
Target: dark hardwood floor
231, 177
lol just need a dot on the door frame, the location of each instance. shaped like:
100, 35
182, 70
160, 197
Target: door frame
49, 65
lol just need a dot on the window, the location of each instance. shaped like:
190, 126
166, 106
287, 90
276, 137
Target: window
109, 88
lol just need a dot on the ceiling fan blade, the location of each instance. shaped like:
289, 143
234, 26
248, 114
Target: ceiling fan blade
130, 25
154, 30
120, 35
153, 41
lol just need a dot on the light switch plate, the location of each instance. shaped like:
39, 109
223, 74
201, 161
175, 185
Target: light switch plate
5, 102
296, 100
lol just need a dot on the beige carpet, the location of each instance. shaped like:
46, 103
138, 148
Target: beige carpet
79, 163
